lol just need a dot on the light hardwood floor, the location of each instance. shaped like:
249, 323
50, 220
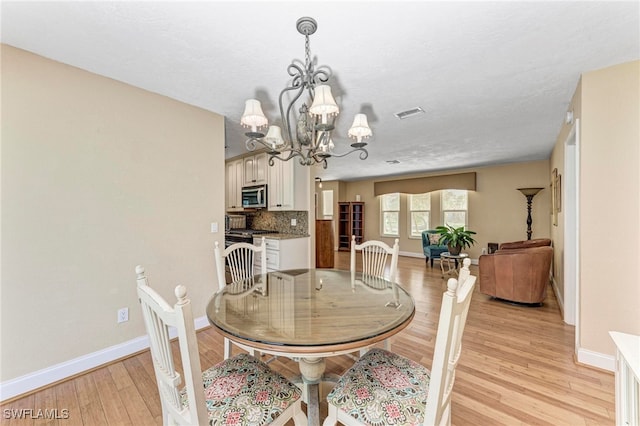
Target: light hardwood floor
516, 368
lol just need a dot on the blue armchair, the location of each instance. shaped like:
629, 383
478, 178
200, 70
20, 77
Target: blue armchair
432, 251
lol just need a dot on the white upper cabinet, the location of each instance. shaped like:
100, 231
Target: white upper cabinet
255, 169
288, 187
234, 175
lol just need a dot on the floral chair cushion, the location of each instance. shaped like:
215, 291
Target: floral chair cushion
245, 391
383, 388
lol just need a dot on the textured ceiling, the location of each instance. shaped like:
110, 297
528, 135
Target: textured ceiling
495, 78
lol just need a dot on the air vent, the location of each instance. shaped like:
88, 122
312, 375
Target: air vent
409, 113
393, 162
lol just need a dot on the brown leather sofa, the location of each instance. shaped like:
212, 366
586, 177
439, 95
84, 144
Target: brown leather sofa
518, 271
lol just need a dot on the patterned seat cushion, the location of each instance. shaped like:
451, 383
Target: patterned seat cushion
245, 391
383, 388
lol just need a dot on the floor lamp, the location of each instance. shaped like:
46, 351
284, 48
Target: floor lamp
529, 193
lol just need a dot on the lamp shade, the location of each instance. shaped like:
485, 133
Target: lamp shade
253, 116
323, 102
530, 191
274, 136
360, 128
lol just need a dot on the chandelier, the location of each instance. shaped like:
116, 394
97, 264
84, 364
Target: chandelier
307, 136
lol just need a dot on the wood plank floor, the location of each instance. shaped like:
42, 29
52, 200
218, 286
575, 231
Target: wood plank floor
516, 368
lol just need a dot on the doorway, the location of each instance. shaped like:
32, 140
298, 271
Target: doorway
570, 201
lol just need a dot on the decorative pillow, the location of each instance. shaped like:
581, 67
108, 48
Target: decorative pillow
433, 239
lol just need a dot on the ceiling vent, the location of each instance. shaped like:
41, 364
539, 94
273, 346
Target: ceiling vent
409, 113
393, 162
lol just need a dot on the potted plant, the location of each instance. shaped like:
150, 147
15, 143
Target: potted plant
455, 238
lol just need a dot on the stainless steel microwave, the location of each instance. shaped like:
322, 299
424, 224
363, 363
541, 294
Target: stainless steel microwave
254, 197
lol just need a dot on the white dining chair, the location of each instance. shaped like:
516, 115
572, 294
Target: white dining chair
374, 262
233, 391
240, 259
385, 388
374, 257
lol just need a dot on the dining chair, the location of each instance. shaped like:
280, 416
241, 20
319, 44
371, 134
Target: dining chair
386, 388
238, 390
374, 263
240, 261
374, 257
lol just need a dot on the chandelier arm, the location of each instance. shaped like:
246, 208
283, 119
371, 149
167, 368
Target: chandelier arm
321, 75
277, 154
363, 153
286, 118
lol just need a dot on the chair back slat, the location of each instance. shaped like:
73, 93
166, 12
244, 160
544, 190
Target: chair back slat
158, 316
448, 347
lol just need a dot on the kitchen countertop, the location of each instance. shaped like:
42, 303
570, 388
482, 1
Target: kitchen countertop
282, 236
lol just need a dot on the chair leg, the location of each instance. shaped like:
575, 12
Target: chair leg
227, 348
426, 259
432, 262
332, 418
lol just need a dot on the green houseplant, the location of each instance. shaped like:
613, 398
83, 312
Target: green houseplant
455, 238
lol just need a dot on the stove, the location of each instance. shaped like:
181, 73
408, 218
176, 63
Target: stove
242, 235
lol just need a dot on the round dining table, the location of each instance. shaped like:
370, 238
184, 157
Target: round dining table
308, 315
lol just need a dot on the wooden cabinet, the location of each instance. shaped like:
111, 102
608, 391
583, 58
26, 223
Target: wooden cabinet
324, 244
255, 169
288, 186
233, 191
350, 222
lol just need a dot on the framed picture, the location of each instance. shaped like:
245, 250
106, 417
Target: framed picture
554, 197
559, 192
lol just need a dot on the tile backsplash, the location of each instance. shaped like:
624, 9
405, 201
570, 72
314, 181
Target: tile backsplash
279, 221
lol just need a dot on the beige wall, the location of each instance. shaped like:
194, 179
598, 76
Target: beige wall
609, 205
497, 210
97, 177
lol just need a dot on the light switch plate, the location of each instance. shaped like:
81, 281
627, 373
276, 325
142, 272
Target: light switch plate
214, 227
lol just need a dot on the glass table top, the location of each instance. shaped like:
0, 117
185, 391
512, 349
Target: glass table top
310, 307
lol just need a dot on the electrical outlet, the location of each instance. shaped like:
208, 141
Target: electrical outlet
123, 315
294, 222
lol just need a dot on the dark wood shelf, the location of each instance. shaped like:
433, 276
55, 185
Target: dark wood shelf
350, 222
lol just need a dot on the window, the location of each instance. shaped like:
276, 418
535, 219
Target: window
390, 214
419, 214
454, 207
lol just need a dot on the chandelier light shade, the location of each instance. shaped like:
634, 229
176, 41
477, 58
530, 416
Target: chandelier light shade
306, 129
274, 137
253, 116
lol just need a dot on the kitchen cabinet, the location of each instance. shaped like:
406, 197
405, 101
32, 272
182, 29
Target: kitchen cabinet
233, 191
288, 186
350, 222
255, 169
289, 253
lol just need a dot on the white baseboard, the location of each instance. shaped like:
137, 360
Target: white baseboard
410, 254
596, 359
420, 255
37, 379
